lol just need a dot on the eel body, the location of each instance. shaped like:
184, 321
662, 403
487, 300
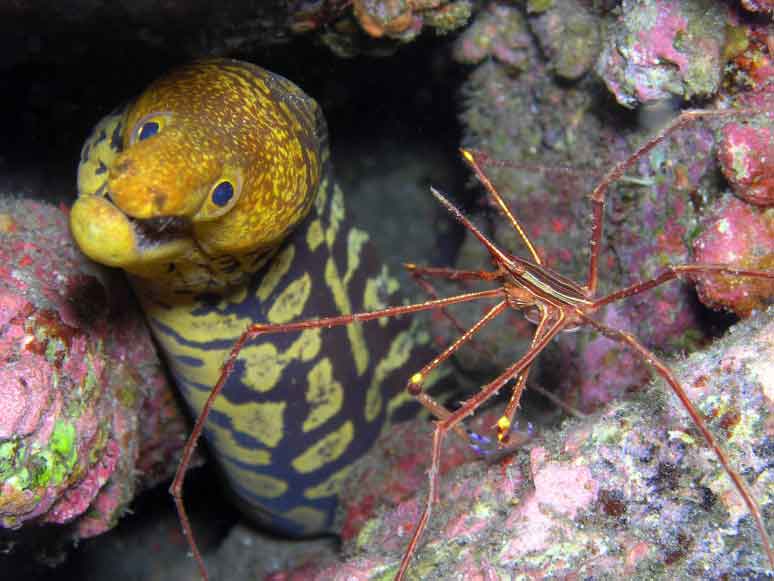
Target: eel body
213, 191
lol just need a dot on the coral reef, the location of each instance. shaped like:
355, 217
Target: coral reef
749, 56
376, 26
657, 49
746, 155
404, 19
87, 416
631, 491
498, 31
744, 235
560, 138
568, 36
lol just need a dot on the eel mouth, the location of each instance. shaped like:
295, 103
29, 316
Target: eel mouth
160, 230
109, 236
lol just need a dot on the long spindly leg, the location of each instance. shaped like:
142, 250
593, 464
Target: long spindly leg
414, 384
420, 275
673, 272
498, 201
256, 330
467, 408
598, 194
650, 358
451, 273
501, 258
506, 420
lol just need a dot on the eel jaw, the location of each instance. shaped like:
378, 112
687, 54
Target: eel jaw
107, 235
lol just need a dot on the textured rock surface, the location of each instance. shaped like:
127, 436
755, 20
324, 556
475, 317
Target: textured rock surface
743, 234
87, 417
630, 491
658, 49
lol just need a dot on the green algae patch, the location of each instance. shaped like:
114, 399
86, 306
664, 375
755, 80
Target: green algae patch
90, 382
736, 42
98, 449
538, 6
8, 453
54, 464
607, 433
62, 444
13, 470
365, 536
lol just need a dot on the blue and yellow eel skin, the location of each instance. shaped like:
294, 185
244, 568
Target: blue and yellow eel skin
213, 191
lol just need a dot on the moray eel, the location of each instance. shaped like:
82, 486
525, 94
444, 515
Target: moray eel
213, 191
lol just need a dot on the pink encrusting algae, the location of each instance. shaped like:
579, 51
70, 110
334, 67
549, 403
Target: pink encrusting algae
78, 373
741, 234
746, 157
658, 49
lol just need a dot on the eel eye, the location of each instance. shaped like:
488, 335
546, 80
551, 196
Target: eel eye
148, 129
148, 126
222, 193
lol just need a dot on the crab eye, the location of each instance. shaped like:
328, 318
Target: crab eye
148, 129
222, 193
